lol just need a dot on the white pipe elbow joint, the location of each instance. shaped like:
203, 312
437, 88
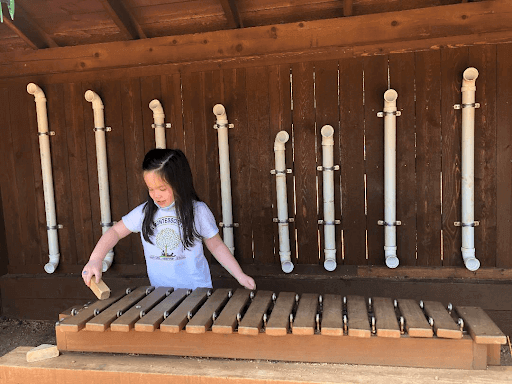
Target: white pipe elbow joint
92, 97
327, 133
330, 260
390, 97
51, 266
38, 93
156, 107
468, 79
391, 258
282, 138
220, 112
470, 261
107, 261
286, 261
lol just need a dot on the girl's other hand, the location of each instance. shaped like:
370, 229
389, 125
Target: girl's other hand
92, 268
247, 282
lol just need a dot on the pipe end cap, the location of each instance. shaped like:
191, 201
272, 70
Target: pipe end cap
392, 262
50, 267
287, 266
472, 264
330, 265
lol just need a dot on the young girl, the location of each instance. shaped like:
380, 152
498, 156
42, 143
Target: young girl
172, 223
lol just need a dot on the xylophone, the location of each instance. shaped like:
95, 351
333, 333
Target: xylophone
286, 326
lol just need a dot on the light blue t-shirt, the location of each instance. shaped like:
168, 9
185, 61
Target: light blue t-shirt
168, 263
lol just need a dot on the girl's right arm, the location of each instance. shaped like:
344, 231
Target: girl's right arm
105, 243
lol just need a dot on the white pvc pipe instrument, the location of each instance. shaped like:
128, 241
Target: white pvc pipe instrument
222, 127
101, 159
282, 202
468, 169
46, 168
159, 125
327, 133
390, 222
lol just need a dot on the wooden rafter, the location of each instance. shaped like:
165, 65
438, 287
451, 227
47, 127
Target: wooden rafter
124, 19
231, 12
28, 30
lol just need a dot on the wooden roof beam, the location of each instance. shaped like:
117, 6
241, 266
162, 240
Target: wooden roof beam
28, 30
124, 19
231, 12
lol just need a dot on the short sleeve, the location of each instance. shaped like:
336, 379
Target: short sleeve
133, 220
204, 221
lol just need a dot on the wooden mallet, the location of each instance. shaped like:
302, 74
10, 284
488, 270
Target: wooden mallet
101, 290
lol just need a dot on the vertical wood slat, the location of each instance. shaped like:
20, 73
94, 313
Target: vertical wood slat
118, 189
375, 84
504, 156
352, 167
81, 201
453, 63
402, 73
62, 178
280, 120
428, 157
483, 58
171, 96
25, 145
212, 96
10, 196
327, 113
257, 83
194, 125
235, 102
305, 162
134, 154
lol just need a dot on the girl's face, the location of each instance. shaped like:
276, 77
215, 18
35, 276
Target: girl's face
161, 192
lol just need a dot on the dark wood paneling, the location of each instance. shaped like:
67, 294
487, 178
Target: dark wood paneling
77, 151
261, 162
352, 163
133, 129
483, 58
235, 102
453, 63
171, 96
504, 156
375, 84
62, 177
212, 96
428, 157
25, 145
281, 120
15, 255
304, 139
402, 75
111, 93
327, 113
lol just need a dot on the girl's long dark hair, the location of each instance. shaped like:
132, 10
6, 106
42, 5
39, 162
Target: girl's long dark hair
172, 166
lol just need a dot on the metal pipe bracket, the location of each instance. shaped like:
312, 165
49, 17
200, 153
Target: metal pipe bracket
274, 172
333, 168
276, 220
106, 129
217, 126
473, 224
470, 105
393, 224
222, 225
396, 113
49, 133
322, 222
166, 125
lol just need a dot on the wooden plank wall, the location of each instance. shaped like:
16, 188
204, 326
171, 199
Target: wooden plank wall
260, 101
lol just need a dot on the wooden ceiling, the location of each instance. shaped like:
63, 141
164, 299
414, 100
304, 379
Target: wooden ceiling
60, 23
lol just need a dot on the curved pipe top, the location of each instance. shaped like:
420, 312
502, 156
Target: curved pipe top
470, 74
327, 133
156, 107
92, 97
281, 138
390, 95
220, 112
33, 89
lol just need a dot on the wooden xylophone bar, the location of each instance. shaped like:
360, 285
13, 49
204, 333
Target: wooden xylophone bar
288, 326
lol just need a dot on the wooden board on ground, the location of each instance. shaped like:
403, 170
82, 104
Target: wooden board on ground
480, 326
416, 324
444, 325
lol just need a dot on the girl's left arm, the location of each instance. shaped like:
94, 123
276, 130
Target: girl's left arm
219, 250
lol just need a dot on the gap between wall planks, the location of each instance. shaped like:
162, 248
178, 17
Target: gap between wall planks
258, 102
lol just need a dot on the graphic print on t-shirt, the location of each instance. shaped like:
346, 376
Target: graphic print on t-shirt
167, 238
